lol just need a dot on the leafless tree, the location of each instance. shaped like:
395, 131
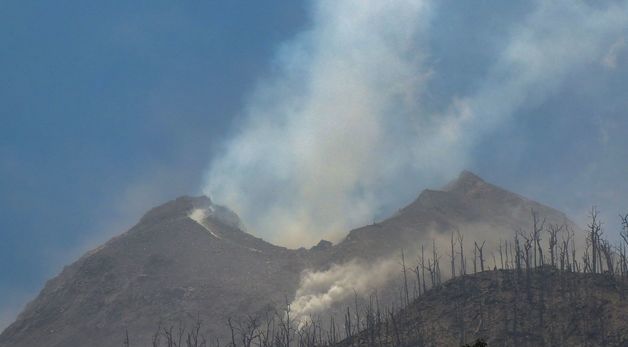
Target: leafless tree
423, 268
501, 254
564, 250
157, 337
553, 230
518, 253
405, 277
232, 330
480, 252
436, 258
463, 265
594, 234
249, 330
453, 257
606, 250
417, 272
126, 342
537, 229
622, 248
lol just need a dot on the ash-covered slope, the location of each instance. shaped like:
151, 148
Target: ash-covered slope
551, 308
479, 210
167, 268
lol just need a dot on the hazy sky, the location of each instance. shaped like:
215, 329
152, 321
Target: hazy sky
107, 110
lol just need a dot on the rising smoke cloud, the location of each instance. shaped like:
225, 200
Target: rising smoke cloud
319, 290
338, 134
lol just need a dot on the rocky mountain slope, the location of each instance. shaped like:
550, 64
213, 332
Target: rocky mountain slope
189, 257
166, 268
479, 210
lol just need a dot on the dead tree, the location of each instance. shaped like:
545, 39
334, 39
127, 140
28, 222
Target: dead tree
594, 233
432, 266
575, 265
395, 328
586, 258
248, 330
423, 268
624, 246
285, 326
430, 269
622, 262
463, 265
348, 331
417, 273
436, 258
453, 257
233, 332
194, 336
475, 258
564, 251
624, 232
518, 254
553, 231
157, 336
480, 252
501, 254
537, 226
494, 262
405, 277
607, 251
126, 342
357, 311
506, 260
526, 257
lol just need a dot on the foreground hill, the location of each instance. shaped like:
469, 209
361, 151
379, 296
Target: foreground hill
190, 258
552, 308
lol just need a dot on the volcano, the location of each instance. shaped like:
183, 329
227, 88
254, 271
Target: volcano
189, 259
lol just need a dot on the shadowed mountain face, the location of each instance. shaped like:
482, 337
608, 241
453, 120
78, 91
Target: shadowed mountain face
189, 257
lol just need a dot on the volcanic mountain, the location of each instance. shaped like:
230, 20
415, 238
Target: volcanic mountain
189, 259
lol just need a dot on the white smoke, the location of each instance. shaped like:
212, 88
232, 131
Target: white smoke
557, 40
320, 290
309, 159
338, 133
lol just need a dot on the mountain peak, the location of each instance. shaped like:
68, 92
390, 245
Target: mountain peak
465, 182
176, 208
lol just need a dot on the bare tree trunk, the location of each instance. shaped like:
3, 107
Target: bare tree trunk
475, 257
463, 265
595, 228
481, 253
501, 254
453, 257
405, 276
126, 342
423, 268
553, 231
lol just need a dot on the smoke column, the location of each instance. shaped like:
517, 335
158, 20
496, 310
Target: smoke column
338, 134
